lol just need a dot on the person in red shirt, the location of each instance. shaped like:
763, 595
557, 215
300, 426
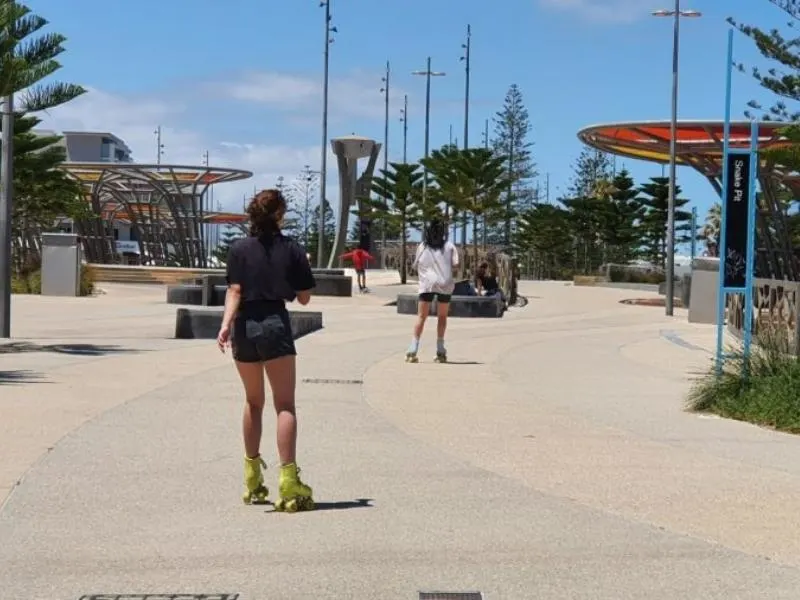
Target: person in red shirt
359, 256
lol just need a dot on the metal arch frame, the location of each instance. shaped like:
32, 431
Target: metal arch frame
776, 258
133, 186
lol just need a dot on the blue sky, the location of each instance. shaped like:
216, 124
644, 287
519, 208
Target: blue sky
244, 82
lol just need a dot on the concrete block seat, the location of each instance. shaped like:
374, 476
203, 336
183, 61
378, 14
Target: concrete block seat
209, 290
462, 304
204, 323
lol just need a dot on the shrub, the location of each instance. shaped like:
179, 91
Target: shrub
762, 389
31, 282
633, 274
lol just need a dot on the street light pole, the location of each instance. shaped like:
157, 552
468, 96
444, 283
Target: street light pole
159, 145
6, 201
324, 151
676, 14
467, 47
404, 121
428, 74
385, 90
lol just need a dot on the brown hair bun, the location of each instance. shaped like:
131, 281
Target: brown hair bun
266, 211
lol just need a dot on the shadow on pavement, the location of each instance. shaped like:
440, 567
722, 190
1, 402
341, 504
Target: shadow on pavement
344, 504
462, 362
341, 505
77, 349
20, 376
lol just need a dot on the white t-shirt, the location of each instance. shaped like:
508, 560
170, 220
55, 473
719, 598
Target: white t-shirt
435, 268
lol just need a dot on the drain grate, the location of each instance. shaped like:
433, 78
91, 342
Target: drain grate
334, 381
450, 596
160, 597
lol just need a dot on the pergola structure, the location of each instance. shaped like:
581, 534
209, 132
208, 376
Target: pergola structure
164, 205
699, 144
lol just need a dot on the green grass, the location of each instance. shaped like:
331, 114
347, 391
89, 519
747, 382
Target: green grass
764, 390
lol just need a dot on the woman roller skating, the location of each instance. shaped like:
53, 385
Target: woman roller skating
435, 261
264, 271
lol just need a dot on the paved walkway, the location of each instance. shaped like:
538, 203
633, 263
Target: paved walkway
550, 459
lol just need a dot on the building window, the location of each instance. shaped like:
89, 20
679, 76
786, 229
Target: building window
106, 149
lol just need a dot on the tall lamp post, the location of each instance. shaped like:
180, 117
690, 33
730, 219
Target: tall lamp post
427, 73
159, 145
324, 157
466, 46
385, 90
404, 121
676, 14
6, 200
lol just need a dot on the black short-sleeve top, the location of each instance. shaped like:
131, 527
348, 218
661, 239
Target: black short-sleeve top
270, 269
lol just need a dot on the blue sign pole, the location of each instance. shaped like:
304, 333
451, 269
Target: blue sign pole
721, 294
751, 241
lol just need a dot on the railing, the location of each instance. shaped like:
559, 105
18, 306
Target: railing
775, 307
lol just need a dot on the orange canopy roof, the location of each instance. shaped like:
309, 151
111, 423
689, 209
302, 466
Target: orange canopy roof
698, 143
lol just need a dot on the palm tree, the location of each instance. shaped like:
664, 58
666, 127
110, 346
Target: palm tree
446, 188
399, 192
473, 180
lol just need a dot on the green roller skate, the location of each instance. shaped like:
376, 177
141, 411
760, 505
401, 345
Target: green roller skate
411, 357
295, 495
256, 492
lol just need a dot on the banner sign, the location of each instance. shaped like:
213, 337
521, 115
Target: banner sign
737, 219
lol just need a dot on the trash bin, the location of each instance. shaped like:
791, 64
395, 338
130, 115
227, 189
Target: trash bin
61, 264
705, 290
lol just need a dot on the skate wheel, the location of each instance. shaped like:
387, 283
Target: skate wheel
307, 504
291, 505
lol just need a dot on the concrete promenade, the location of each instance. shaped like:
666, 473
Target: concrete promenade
551, 458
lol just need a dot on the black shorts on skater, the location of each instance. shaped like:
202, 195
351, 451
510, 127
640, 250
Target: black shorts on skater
429, 296
262, 333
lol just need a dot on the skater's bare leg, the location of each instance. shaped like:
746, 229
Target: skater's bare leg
362, 280
423, 308
441, 327
441, 319
281, 375
252, 376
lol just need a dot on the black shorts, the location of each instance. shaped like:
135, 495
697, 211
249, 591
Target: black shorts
429, 296
263, 338
360, 272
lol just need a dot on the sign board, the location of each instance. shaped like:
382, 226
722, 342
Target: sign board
127, 247
737, 219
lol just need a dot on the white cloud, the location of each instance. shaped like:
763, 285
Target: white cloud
135, 118
357, 95
603, 11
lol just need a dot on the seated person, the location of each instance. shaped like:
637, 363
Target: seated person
486, 283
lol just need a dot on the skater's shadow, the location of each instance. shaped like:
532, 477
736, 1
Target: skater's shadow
463, 362
343, 504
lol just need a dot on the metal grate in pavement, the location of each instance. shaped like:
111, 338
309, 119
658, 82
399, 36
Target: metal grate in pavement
334, 381
160, 597
451, 596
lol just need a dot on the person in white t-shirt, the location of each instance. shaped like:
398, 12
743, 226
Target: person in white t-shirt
435, 261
